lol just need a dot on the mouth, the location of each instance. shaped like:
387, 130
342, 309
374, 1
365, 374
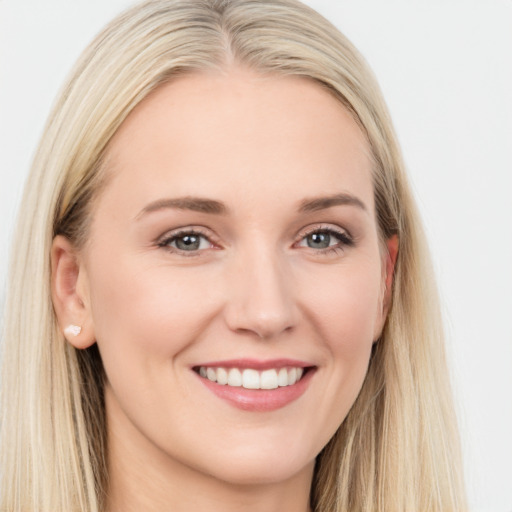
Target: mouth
252, 378
256, 386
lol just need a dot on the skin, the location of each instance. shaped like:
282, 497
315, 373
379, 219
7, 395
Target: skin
257, 287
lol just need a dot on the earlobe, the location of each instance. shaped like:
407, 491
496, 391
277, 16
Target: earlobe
69, 294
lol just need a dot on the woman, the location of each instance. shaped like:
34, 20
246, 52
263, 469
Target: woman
222, 298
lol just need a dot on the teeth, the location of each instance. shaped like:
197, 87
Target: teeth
253, 379
268, 379
282, 378
250, 379
222, 376
235, 377
211, 374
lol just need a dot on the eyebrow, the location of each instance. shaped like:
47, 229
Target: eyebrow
322, 203
196, 204
211, 206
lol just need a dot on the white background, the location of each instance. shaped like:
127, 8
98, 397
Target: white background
446, 71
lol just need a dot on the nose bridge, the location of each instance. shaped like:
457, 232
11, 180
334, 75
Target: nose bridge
261, 297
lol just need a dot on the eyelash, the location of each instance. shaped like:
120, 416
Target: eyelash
344, 240
168, 239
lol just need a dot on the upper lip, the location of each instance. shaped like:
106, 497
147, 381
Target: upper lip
256, 364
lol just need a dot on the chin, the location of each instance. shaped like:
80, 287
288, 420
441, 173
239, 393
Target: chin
260, 470
253, 474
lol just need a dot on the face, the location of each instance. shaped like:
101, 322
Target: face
233, 278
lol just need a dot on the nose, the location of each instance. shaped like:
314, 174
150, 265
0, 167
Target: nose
261, 298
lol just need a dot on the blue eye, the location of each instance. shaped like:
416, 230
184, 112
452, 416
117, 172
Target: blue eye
186, 241
326, 239
319, 240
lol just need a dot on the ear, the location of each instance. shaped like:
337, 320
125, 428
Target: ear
389, 267
389, 256
70, 294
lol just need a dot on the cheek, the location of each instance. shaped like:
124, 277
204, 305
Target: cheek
147, 309
347, 307
345, 316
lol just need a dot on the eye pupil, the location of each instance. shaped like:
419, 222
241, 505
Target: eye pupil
319, 240
188, 242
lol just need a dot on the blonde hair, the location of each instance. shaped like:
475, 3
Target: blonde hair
397, 450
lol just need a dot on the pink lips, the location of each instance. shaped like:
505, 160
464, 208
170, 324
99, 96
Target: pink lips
258, 400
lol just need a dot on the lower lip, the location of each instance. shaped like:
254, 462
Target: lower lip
259, 400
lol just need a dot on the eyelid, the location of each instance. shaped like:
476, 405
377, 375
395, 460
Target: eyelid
327, 228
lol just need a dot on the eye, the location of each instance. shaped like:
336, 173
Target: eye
319, 240
326, 239
186, 241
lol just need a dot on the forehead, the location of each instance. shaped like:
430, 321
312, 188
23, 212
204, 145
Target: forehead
239, 133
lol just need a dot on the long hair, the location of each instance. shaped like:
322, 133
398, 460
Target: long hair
397, 450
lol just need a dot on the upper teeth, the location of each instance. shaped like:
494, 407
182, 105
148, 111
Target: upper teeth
252, 379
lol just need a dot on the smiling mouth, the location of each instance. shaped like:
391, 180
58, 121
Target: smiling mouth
250, 378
